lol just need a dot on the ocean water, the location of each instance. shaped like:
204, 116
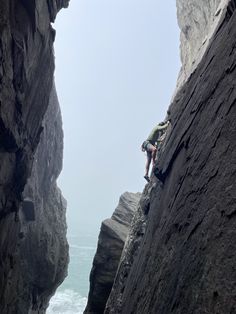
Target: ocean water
71, 296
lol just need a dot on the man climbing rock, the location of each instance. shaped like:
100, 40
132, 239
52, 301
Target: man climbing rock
150, 145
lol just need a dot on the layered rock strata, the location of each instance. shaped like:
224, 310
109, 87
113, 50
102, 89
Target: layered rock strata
28, 245
186, 258
111, 241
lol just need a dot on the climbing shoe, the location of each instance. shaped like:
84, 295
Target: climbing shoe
147, 178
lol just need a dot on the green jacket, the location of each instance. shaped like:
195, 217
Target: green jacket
156, 133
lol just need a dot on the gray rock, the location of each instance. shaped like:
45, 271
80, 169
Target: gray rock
131, 248
186, 259
39, 263
33, 248
111, 241
198, 21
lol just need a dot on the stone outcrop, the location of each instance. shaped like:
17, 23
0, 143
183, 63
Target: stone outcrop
33, 248
111, 241
130, 250
198, 21
185, 260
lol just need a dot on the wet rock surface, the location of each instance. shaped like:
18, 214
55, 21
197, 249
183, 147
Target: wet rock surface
186, 258
111, 241
32, 261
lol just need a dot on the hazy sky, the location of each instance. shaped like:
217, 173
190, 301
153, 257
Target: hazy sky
116, 67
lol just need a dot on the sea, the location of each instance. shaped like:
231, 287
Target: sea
71, 296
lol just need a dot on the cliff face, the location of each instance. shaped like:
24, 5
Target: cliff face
186, 258
111, 241
33, 254
198, 20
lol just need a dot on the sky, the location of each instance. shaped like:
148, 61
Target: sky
117, 63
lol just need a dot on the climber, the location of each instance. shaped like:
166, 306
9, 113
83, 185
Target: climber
150, 145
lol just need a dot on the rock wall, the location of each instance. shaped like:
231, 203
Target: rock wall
27, 226
185, 261
111, 241
198, 20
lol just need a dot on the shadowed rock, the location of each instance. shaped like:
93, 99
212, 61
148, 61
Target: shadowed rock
28, 210
33, 247
111, 241
186, 259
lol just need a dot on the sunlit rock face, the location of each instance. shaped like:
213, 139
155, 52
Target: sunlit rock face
197, 20
32, 261
185, 260
111, 241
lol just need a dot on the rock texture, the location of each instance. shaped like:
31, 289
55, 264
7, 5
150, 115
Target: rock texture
130, 250
198, 20
186, 258
111, 241
32, 261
